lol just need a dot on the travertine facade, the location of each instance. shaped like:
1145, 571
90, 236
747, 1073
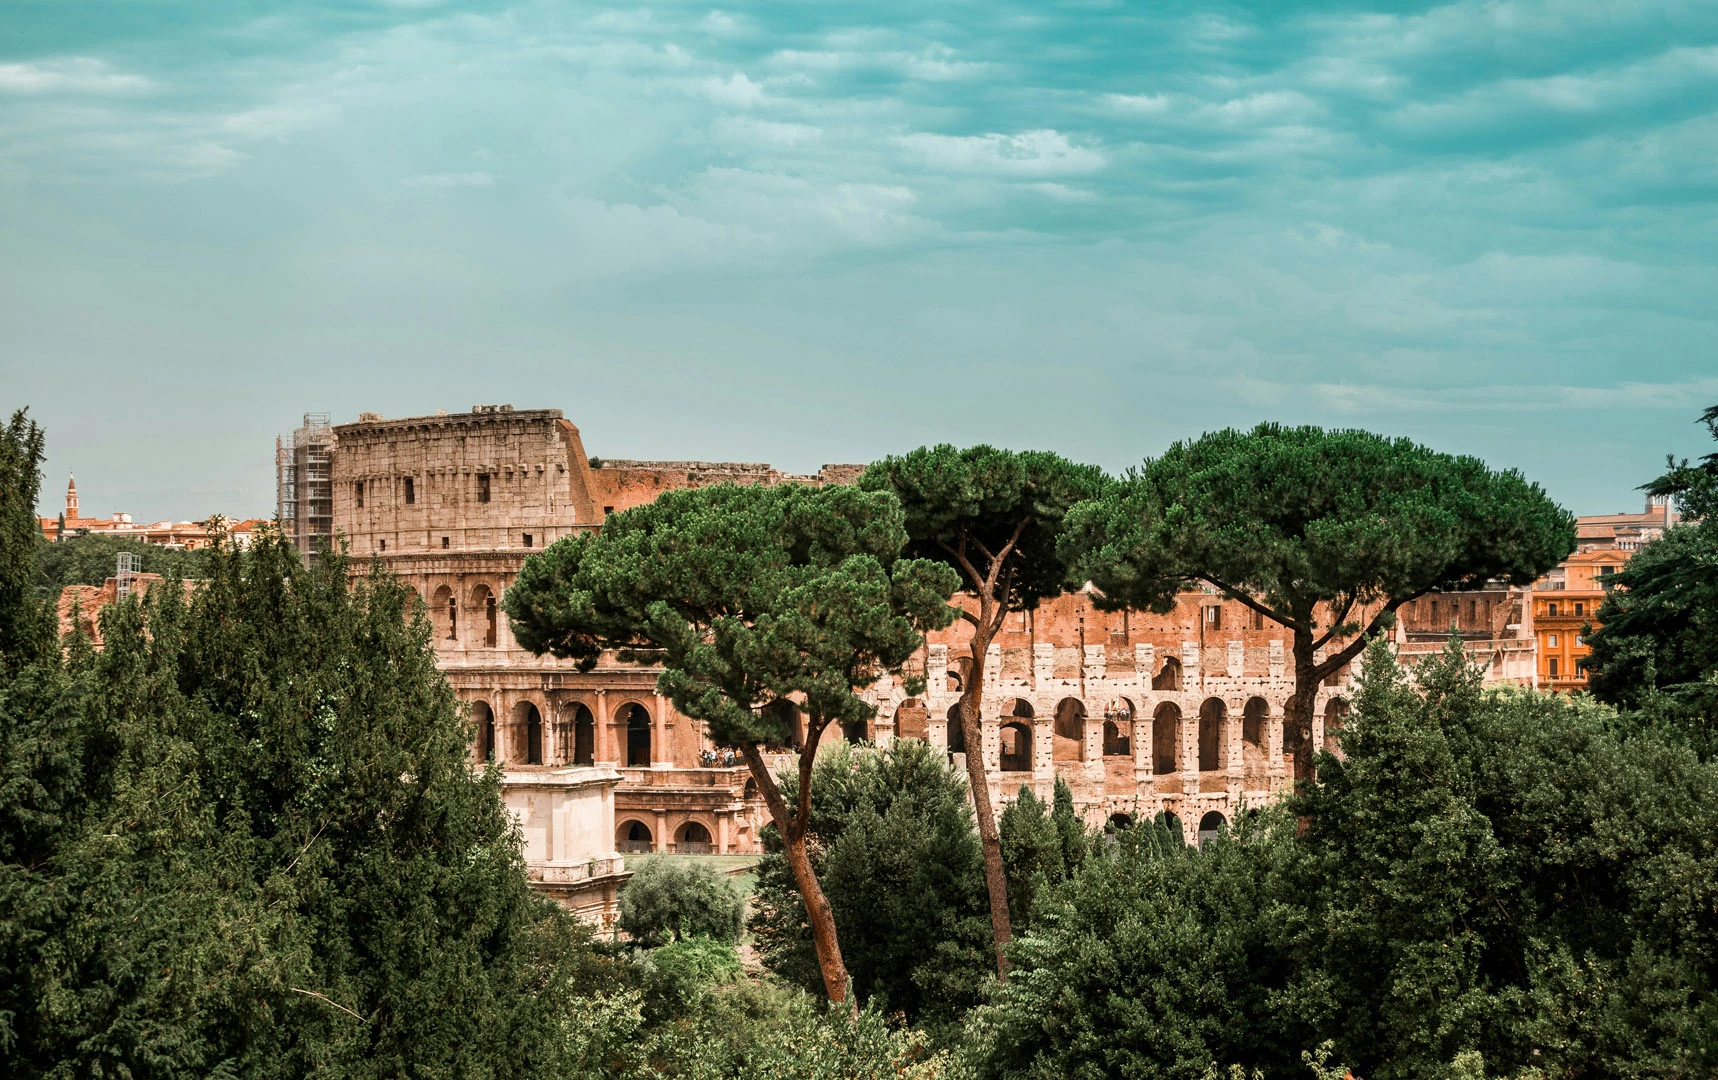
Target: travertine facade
1142, 714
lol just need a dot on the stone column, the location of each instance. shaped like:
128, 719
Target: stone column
1274, 744
1141, 749
1044, 748
724, 827
661, 832
605, 753
1092, 742
661, 754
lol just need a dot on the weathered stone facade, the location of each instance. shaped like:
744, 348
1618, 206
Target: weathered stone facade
1142, 714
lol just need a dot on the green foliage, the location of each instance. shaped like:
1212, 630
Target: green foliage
962, 505
1501, 873
901, 867
1040, 849
1154, 960
91, 559
671, 899
1299, 516
745, 595
26, 627
248, 842
1694, 487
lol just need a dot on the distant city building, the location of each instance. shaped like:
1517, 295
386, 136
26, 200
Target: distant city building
164, 533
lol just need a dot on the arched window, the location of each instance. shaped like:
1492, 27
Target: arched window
1117, 822
1253, 719
910, 721
584, 736
444, 614
633, 837
1168, 677
956, 733
1016, 741
528, 732
484, 720
1335, 719
1117, 740
1070, 726
1209, 826
483, 602
1166, 739
694, 839
1211, 718
637, 722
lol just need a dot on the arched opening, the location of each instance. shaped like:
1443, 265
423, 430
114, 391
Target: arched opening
637, 722
1211, 717
694, 839
856, 731
1166, 739
633, 837
1070, 730
444, 614
1020, 709
911, 721
528, 733
1171, 824
956, 733
1253, 719
1335, 720
483, 603
584, 736
750, 791
1117, 822
1016, 748
1168, 677
1117, 740
956, 675
1209, 826
483, 718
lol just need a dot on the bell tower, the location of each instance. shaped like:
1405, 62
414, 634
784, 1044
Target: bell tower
72, 499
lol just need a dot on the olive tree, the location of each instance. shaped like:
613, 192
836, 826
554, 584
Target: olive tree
751, 599
995, 517
1325, 533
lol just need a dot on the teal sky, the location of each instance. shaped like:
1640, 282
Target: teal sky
810, 232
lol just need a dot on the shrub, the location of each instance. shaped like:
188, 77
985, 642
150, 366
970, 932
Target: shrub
669, 899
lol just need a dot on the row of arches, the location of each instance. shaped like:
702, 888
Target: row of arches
1212, 823
1168, 676
633, 836
1068, 731
571, 740
476, 620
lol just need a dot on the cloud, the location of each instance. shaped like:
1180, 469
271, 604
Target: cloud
1030, 153
737, 91
452, 180
70, 75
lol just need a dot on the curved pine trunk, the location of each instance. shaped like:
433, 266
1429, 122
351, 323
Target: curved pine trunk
995, 877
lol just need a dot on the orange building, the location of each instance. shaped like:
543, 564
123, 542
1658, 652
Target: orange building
1565, 602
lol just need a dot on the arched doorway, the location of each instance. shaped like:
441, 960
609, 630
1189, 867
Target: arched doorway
584, 736
1253, 719
444, 614
483, 719
633, 837
637, 722
694, 839
1166, 739
1118, 822
528, 733
956, 733
1070, 730
1210, 826
483, 603
1118, 728
1168, 676
1016, 741
1211, 717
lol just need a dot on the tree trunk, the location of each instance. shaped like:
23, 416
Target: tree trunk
995, 878
792, 829
822, 918
1297, 711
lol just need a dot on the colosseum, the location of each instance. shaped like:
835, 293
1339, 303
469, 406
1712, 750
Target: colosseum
1141, 714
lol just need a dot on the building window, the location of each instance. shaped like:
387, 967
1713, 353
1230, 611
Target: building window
444, 542
482, 487
411, 492
607, 510
1580, 608
1551, 640
1213, 618
358, 492
527, 539
384, 543
1258, 619
1551, 608
1552, 666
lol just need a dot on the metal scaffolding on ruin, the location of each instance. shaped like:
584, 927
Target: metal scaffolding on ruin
304, 484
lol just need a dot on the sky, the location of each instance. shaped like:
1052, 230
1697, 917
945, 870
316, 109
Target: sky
823, 232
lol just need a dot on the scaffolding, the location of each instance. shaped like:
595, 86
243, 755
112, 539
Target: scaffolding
126, 569
304, 484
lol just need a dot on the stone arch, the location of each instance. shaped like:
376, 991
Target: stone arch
485, 615
1166, 739
444, 614
956, 732
483, 719
1210, 826
1168, 676
634, 719
1118, 728
1255, 725
1213, 718
1335, 720
1070, 730
527, 734
912, 721
1019, 709
1016, 741
750, 791
956, 674
633, 836
694, 838
582, 744
1118, 821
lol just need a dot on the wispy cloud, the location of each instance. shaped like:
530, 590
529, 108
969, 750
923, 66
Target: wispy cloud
1030, 153
70, 75
452, 180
